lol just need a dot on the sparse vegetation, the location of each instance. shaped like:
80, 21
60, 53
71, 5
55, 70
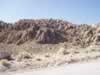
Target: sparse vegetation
5, 63
47, 56
48, 31
65, 52
23, 55
47, 41
39, 59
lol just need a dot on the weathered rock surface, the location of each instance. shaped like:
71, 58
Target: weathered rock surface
49, 31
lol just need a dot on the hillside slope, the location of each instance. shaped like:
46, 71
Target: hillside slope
30, 43
48, 31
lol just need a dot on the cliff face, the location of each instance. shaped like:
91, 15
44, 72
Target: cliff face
49, 31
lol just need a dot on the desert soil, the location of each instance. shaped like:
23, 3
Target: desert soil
72, 69
44, 56
37, 44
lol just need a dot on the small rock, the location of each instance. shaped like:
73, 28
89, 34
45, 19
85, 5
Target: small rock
5, 55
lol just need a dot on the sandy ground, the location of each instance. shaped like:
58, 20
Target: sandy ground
72, 69
44, 59
75, 45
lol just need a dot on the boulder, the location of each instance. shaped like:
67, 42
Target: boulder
5, 55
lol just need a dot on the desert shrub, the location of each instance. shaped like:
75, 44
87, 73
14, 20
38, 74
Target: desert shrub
65, 52
47, 55
38, 59
5, 63
23, 55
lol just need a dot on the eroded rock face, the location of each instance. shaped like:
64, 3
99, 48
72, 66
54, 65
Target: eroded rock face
48, 31
44, 31
46, 35
97, 36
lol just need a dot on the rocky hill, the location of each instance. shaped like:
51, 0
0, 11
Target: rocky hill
49, 31
30, 43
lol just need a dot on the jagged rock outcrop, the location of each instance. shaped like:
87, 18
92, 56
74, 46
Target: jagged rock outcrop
49, 31
48, 35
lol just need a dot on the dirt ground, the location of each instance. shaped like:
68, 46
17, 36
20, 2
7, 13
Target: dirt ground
35, 44
37, 56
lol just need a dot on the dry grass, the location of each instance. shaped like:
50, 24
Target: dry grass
35, 43
23, 55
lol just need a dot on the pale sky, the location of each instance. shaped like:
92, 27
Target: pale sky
76, 11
